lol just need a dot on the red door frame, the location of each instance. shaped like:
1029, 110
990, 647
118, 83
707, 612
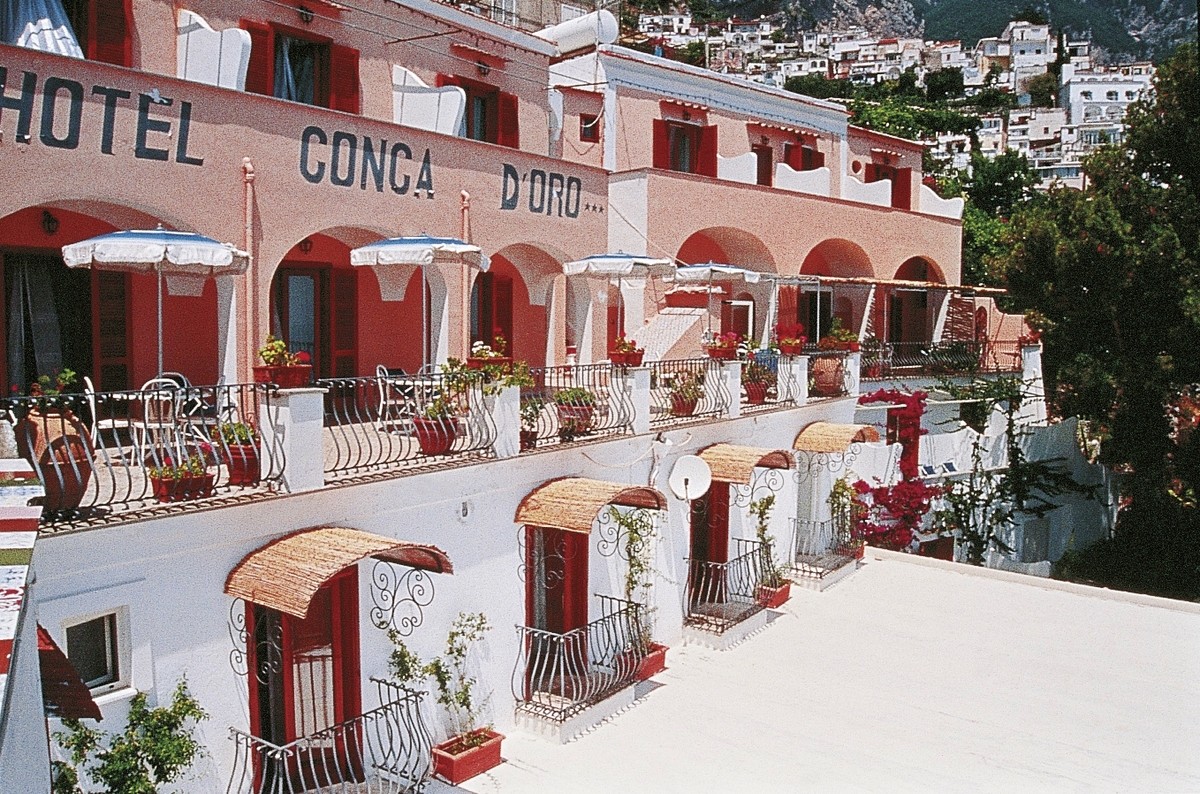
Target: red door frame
566, 595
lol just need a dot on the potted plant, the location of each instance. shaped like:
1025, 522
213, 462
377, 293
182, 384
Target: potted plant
56, 442
437, 426
723, 346
178, 482
829, 372
773, 587
757, 379
280, 366
839, 338
645, 657
790, 338
625, 353
576, 407
873, 357
493, 355
686, 390
473, 748
239, 451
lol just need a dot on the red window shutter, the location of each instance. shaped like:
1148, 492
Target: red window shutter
260, 74
706, 163
343, 79
509, 133
662, 148
345, 323
111, 41
902, 188
871, 173
502, 309
818, 159
793, 154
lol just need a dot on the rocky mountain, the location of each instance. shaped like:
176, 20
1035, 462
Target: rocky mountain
1121, 29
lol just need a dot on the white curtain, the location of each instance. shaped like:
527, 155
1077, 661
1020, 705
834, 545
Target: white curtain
38, 25
32, 319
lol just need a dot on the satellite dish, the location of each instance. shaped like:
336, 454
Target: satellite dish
690, 477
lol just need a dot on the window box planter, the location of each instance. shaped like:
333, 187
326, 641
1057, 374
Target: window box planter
454, 763
683, 406
479, 362
791, 349
722, 353
773, 597
653, 663
435, 436
628, 359
756, 393
168, 489
290, 376
242, 462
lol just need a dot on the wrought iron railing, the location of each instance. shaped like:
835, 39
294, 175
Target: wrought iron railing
719, 595
884, 360
682, 389
574, 403
559, 675
820, 547
390, 421
384, 751
766, 384
102, 454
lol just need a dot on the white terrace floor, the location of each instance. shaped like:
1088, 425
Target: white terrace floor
906, 677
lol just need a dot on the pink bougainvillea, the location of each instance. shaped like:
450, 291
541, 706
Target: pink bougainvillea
904, 423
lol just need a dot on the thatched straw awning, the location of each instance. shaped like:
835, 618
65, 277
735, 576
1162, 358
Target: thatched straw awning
573, 503
830, 437
286, 573
731, 463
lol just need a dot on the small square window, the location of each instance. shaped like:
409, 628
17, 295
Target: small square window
589, 127
92, 648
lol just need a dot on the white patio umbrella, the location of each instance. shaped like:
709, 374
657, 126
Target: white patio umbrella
619, 265
713, 271
157, 251
420, 250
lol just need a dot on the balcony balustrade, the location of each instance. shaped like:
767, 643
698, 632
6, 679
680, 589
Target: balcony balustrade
560, 675
889, 360
101, 455
574, 403
386, 750
719, 595
820, 547
685, 389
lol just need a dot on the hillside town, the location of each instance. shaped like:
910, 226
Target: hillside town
408, 396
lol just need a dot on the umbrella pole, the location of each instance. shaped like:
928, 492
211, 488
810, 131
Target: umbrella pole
158, 276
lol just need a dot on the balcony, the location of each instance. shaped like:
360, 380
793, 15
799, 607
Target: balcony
721, 595
891, 360
558, 676
387, 750
822, 551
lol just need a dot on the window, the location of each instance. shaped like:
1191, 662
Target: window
1111, 96
802, 157
689, 148
93, 650
491, 114
102, 29
589, 128
1085, 94
291, 65
1129, 95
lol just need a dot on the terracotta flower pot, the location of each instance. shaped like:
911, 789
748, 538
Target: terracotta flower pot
653, 663
435, 436
828, 377
243, 463
292, 376
479, 362
168, 489
791, 350
455, 764
773, 597
630, 358
577, 419
618, 358
722, 353
528, 440
756, 393
57, 443
683, 406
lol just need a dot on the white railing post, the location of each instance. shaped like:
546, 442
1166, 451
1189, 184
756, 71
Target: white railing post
291, 423
635, 383
792, 379
505, 407
853, 372
731, 376
1033, 401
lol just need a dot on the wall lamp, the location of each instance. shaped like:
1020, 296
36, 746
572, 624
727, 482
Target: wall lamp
49, 223
306, 14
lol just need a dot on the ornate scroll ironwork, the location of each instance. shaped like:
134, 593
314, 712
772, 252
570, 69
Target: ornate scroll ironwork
613, 535
764, 483
399, 595
267, 642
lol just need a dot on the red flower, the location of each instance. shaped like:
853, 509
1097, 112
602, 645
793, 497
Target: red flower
303, 357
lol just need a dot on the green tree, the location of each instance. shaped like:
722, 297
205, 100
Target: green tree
1043, 90
815, 85
1111, 276
894, 116
157, 746
1000, 185
944, 84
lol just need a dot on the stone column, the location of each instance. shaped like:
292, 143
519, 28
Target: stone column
1033, 404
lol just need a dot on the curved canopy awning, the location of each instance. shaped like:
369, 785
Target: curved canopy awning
830, 437
733, 463
573, 503
286, 573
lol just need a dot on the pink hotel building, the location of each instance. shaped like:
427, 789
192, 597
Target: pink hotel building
300, 131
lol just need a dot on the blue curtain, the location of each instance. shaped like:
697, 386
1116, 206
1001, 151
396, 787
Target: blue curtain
38, 25
295, 70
